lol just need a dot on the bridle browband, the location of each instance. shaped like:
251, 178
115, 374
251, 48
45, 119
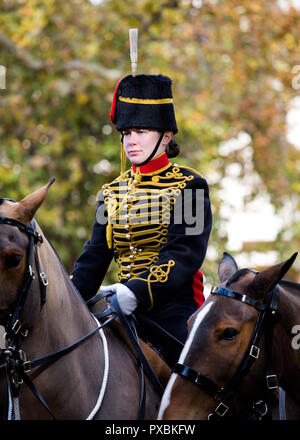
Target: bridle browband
268, 313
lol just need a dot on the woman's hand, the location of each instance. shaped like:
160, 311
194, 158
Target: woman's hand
126, 298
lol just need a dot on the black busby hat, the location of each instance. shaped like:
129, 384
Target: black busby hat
144, 101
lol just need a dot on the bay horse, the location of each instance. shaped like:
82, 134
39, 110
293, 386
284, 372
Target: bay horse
43, 313
241, 349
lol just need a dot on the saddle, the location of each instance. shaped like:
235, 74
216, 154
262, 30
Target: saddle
148, 331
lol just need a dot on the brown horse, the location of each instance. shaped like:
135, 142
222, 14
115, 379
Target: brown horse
242, 344
99, 378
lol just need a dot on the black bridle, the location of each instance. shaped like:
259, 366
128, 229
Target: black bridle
268, 313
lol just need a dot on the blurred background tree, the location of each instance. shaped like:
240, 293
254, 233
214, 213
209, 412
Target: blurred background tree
233, 66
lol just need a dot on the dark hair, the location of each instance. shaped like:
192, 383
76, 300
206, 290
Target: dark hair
172, 148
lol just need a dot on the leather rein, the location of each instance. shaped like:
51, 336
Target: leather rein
13, 357
268, 314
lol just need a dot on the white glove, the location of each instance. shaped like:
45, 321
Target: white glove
126, 298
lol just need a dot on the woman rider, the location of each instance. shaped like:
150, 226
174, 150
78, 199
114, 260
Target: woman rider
154, 219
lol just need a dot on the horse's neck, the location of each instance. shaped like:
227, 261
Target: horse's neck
289, 306
64, 317
288, 356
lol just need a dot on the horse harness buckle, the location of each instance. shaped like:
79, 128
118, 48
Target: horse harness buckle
221, 409
254, 351
43, 279
18, 365
272, 382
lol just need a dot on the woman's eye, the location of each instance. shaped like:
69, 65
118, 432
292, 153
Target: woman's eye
229, 334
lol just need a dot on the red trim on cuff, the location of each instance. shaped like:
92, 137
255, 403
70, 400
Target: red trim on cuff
198, 288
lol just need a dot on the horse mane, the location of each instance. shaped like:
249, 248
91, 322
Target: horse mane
290, 286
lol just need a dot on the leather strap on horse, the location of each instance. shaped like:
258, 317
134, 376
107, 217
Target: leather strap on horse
23, 366
128, 325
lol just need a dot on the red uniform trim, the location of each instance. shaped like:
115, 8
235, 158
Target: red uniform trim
113, 105
154, 165
198, 288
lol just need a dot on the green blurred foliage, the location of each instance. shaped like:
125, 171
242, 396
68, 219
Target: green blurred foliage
231, 65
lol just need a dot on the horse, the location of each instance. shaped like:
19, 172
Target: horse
241, 349
59, 361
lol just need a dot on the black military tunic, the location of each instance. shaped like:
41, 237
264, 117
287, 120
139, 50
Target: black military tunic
144, 219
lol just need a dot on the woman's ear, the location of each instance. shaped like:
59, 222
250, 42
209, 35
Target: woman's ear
167, 137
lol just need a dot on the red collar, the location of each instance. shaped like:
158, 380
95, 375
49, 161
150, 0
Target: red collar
156, 164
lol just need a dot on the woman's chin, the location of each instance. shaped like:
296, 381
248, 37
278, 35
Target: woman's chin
135, 160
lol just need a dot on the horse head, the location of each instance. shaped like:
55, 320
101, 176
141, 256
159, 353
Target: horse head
15, 217
218, 345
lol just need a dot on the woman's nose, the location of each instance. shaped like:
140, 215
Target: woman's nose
133, 138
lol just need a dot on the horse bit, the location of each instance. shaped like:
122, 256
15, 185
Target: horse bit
268, 313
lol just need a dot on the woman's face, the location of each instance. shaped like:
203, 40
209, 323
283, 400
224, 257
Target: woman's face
139, 143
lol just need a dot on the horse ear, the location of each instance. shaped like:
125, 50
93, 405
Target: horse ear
227, 267
27, 207
266, 280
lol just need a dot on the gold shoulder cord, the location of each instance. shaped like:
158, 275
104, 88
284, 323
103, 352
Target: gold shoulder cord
193, 171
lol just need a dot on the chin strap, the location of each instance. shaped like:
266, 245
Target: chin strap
154, 150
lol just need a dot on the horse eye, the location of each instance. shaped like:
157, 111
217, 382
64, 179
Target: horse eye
229, 334
12, 261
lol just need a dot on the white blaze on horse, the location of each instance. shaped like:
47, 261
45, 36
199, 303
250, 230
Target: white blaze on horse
43, 315
240, 349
